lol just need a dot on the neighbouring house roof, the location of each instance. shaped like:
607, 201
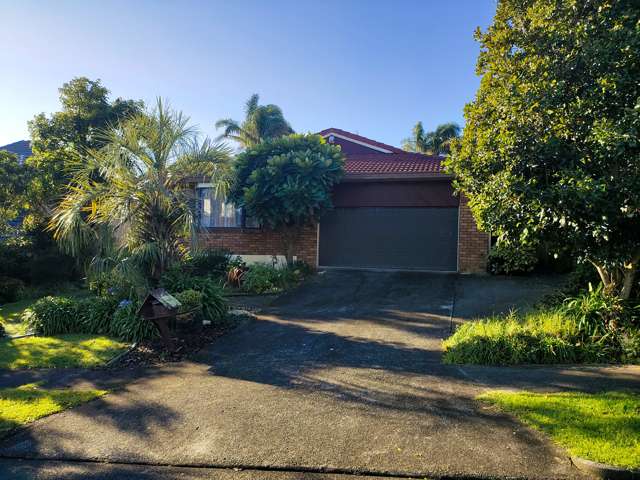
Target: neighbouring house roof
385, 160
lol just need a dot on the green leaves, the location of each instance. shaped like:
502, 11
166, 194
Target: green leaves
550, 147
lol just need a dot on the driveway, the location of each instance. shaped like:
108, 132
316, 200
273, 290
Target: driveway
343, 376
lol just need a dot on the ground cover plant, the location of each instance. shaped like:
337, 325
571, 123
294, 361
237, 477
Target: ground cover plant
589, 328
24, 404
63, 351
601, 427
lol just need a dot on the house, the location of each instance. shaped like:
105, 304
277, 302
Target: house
393, 210
21, 148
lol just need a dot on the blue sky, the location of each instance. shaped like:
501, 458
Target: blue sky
371, 67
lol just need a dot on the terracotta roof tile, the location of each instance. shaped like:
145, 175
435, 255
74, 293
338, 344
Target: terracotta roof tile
393, 163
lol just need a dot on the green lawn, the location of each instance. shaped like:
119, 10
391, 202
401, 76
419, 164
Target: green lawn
62, 351
603, 427
11, 316
22, 405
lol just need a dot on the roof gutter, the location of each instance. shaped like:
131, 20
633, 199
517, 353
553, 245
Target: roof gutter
401, 177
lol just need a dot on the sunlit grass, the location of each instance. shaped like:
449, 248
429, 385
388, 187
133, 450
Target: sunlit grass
11, 316
22, 405
602, 427
63, 351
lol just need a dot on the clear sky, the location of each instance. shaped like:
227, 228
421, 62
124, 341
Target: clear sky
374, 67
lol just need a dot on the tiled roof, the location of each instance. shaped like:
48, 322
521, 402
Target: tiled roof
21, 148
360, 138
393, 163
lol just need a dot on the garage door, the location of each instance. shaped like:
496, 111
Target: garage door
387, 237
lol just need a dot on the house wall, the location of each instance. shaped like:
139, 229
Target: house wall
254, 242
473, 245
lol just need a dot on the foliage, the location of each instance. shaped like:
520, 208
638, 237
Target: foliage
213, 262
95, 314
590, 328
601, 427
59, 141
262, 122
508, 259
141, 195
437, 142
262, 278
286, 183
10, 289
54, 316
116, 284
550, 147
3, 331
27, 403
214, 307
14, 179
127, 325
63, 351
191, 301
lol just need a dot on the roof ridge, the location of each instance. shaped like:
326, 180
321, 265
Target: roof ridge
360, 138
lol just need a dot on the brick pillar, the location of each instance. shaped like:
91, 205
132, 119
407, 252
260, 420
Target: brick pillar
473, 245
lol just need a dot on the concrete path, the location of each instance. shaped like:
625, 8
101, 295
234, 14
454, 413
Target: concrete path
341, 376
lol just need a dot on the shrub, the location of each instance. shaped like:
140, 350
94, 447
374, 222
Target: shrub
214, 307
54, 316
3, 332
507, 259
191, 300
10, 289
544, 337
51, 266
95, 314
214, 262
127, 325
262, 279
114, 284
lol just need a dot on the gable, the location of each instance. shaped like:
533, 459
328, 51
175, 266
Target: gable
350, 148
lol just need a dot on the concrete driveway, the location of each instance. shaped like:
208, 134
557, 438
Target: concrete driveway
343, 376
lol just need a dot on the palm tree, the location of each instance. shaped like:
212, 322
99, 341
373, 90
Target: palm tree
261, 122
134, 189
437, 142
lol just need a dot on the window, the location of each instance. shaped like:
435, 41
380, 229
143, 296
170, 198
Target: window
214, 212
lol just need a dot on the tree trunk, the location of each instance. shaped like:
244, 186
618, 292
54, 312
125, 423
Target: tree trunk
619, 281
290, 236
629, 277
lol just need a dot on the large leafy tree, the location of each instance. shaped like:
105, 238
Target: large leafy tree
14, 179
437, 142
551, 147
261, 122
59, 141
286, 183
134, 188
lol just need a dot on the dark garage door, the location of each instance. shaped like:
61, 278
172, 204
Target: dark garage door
387, 237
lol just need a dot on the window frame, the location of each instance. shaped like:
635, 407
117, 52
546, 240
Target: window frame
198, 212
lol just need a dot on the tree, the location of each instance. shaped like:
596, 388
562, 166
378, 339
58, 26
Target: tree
59, 141
286, 183
551, 147
14, 179
141, 195
262, 122
437, 142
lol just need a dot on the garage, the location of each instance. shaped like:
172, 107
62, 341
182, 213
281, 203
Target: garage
422, 238
391, 222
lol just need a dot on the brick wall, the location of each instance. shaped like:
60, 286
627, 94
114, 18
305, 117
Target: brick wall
473, 245
254, 241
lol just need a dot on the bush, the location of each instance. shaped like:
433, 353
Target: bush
2, 330
114, 284
214, 307
191, 300
213, 262
261, 278
95, 314
51, 266
54, 316
10, 289
542, 337
127, 325
507, 259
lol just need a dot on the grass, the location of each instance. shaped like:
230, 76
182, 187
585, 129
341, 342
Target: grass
11, 313
63, 351
11, 316
602, 427
22, 405
539, 336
